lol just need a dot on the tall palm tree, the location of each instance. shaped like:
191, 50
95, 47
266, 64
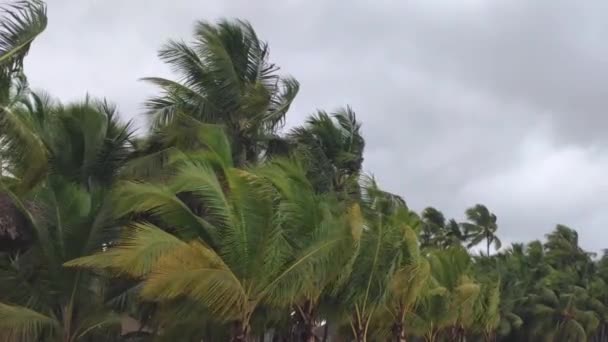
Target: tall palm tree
311, 213
224, 77
481, 226
381, 253
233, 248
406, 289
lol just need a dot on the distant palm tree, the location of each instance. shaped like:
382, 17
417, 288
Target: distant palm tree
556, 316
436, 232
224, 77
332, 146
481, 226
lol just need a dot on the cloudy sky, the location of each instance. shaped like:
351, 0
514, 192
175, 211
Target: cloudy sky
463, 102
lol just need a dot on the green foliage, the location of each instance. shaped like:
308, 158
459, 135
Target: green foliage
215, 225
224, 77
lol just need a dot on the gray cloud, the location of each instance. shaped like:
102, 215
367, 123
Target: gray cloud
499, 102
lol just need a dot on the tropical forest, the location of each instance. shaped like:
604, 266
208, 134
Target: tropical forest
216, 223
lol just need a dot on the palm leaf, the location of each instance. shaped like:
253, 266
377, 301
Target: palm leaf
137, 253
23, 21
21, 322
197, 272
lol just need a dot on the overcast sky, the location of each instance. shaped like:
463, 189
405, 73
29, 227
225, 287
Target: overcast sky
462, 102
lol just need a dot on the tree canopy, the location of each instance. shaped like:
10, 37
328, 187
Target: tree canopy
216, 224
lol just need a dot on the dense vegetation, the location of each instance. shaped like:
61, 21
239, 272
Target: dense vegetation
217, 225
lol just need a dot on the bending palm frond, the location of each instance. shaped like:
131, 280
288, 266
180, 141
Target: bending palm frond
21, 24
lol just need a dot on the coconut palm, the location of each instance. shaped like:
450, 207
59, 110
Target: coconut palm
310, 213
433, 223
20, 24
83, 142
437, 232
39, 299
496, 320
406, 290
481, 226
381, 253
487, 311
446, 308
239, 253
563, 252
23, 21
332, 146
224, 77
556, 316
451, 269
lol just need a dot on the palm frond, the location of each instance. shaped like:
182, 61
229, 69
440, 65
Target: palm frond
22, 22
23, 323
135, 255
197, 272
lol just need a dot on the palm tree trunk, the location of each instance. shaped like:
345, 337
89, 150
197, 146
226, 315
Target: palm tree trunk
359, 331
240, 332
360, 337
308, 335
325, 331
399, 333
488, 245
307, 314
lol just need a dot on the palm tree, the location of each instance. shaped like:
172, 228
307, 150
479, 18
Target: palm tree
20, 24
563, 250
436, 232
487, 311
332, 147
86, 141
451, 269
381, 253
23, 21
312, 213
39, 299
83, 142
66, 213
557, 316
406, 289
481, 226
433, 223
224, 77
507, 276
446, 308
232, 247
